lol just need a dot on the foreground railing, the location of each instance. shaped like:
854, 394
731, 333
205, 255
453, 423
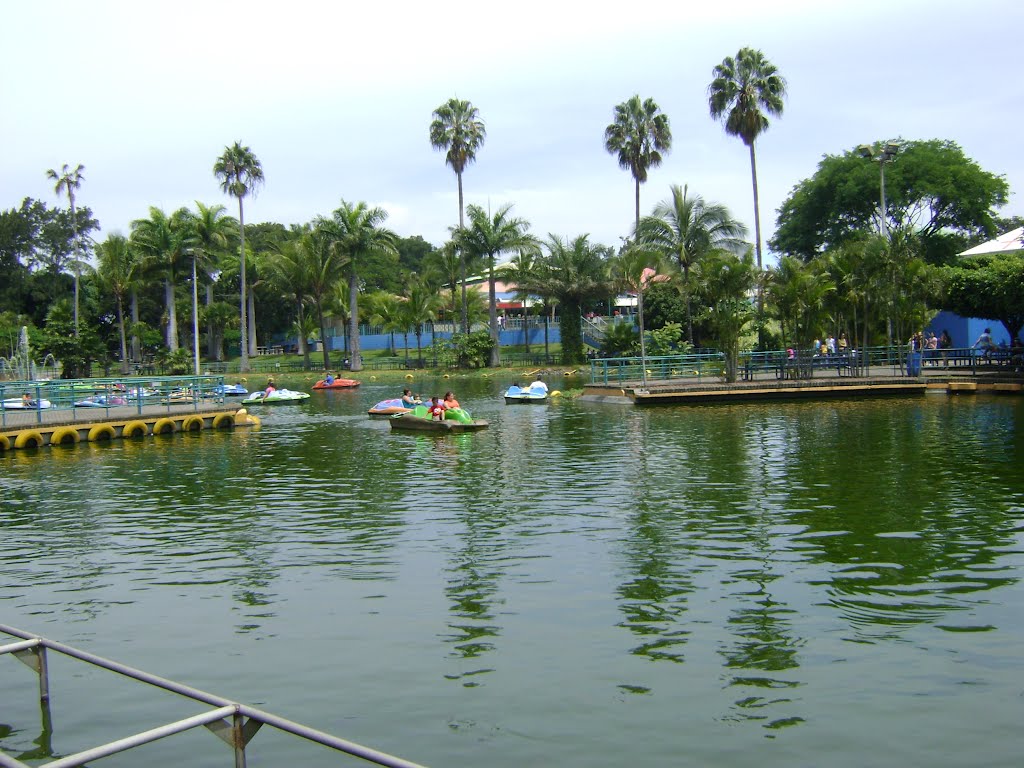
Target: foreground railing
33, 398
234, 723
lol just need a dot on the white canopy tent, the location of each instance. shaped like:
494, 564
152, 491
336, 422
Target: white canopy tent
1011, 242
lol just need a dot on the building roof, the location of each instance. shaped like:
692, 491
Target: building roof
1011, 242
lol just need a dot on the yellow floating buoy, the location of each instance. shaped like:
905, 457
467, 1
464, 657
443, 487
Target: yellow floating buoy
408, 375
446, 376
556, 393
570, 373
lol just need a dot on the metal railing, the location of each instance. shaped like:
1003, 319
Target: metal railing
24, 402
234, 723
619, 370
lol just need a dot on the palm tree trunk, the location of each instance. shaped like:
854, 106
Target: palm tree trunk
353, 321
526, 327
195, 316
244, 362
757, 207
253, 342
124, 339
636, 225
74, 235
211, 346
643, 347
136, 345
172, 314
419, 353
462, 262
689, 310
323, 336
492, 314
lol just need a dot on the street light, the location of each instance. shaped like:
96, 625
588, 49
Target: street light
195, 311
886, 154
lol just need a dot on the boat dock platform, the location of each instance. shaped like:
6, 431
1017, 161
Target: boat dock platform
67, 412
702, 392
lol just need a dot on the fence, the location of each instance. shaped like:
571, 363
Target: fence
234, 723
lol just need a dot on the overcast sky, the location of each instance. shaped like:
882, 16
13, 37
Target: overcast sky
335, 99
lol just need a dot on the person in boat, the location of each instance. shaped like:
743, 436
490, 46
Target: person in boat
539, 385
271, 388
329, 379
409, 400
27, 401
449, 400
436, 409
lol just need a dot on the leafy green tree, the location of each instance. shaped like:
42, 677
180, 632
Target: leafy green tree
67, 182
571, 273
207, 233
116, 270
488, 237
727, 282
638, 134
386, 310
620, 340
356, 233
987, 286
744, 91
797, 294
686, 230
932, 190
159, 240
316, 252
457, 130
75, 353
288, 269
240, 175
421, 305
520, 271
632, 271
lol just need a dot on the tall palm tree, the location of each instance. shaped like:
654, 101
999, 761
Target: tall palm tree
744, 89
571, 273
488, 237
240, 174
458, 131
686, 229
726, 282
355, 233
421, 305
447, 262
639, 135
68, 181
314, 249
207, 233
115, 273
159, 240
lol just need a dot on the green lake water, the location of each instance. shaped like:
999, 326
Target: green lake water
766, 585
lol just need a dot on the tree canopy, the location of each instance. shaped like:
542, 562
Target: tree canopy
931, 188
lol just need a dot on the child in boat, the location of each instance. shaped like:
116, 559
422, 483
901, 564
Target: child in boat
271, 388
436, 409
449, 400
330, 379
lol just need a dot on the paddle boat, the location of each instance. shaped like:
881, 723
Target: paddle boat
277, 396
455, 420
337, 384
389, 408
531, 394
102, 401
230, 390
18, 404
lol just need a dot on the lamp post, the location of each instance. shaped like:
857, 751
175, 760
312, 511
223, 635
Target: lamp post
886, 154
195, 311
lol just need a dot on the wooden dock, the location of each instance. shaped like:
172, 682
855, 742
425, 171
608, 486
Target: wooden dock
681, 391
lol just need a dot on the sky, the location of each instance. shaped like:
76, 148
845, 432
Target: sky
335, 99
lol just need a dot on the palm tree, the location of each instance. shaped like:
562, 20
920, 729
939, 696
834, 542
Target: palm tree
570, 273
355, 233
458, 131
240, 174
518, 272
159, 240
67, 182
386, 310
742, 88
288, 270
421, 305
448, 263
726, 283
115, 273
207, 233
487, 237
638, 135
314, 250
686, 229
633, 270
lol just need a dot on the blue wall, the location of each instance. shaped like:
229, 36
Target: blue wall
966, 330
